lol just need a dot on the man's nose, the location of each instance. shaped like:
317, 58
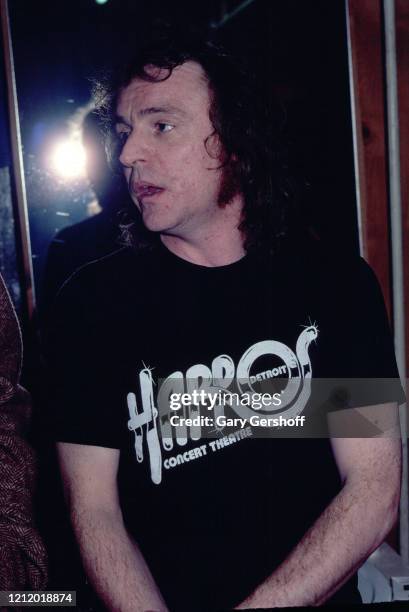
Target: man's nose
133, 151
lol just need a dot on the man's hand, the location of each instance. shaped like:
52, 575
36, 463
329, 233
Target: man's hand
111, 559
355, 523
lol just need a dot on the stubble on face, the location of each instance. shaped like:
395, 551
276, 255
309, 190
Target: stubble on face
222, 181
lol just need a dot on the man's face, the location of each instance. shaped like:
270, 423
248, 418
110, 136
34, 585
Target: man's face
173, 178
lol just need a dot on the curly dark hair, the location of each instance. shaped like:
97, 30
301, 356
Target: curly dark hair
244, 117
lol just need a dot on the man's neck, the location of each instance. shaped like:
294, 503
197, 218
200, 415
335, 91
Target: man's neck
210, 255
219, 245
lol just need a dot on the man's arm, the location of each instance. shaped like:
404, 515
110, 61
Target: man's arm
111, 559
353, 525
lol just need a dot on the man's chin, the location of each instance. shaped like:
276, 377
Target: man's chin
155, 225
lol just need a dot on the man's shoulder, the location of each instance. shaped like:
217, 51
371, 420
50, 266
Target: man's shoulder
110, 270
322, 264
98, 286
345, 270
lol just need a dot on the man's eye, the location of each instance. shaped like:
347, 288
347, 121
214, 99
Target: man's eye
163, 127
122, 136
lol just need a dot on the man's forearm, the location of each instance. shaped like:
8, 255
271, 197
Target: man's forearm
350, 528
114, 563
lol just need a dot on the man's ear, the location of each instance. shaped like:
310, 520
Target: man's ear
214, 147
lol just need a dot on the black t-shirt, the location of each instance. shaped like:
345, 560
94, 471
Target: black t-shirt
215, 516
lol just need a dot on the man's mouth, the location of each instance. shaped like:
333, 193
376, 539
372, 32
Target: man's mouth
145, 190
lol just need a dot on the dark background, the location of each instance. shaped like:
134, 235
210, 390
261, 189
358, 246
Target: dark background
298, 46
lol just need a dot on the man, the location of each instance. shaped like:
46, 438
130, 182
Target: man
168, 518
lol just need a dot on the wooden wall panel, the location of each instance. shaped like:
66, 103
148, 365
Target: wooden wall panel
365, 18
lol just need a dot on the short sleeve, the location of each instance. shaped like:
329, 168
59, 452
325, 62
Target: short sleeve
365, 373
83, 398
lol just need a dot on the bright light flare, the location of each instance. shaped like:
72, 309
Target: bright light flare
69, 159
